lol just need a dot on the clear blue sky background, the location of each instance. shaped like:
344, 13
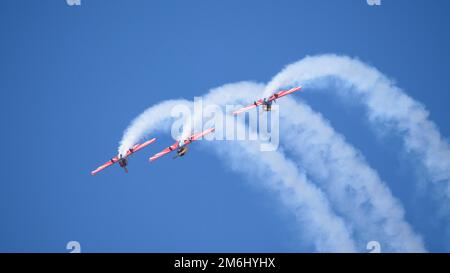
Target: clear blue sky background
72, 78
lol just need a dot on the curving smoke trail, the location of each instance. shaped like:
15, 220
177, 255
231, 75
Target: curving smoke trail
319, 225
354, 189
386, 104
155, 118
322, 228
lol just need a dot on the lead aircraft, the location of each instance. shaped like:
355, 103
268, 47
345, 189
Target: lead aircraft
267, 102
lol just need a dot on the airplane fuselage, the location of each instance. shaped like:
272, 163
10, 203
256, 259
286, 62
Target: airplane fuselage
123, 162
267, 105
182, 151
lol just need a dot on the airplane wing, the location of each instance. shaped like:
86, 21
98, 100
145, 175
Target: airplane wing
165, 151
195, 137
284, 93
115, 159
138, 147
175, 146
248, 107
271, 98
106, 165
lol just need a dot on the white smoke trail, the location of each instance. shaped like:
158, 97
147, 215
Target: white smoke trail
354, 189
317, 220
155, 118
384, 218
319, 224
386, 104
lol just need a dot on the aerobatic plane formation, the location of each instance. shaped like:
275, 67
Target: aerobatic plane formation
181, 146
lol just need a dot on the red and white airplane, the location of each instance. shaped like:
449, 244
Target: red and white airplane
181, 145
267, 102
123, 160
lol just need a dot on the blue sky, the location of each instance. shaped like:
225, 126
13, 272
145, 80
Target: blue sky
72, 78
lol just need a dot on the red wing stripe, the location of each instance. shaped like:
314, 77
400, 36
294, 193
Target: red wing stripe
199, 135
138, 147
246, 108
158, 155
290, 91
102, 167
164, 152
